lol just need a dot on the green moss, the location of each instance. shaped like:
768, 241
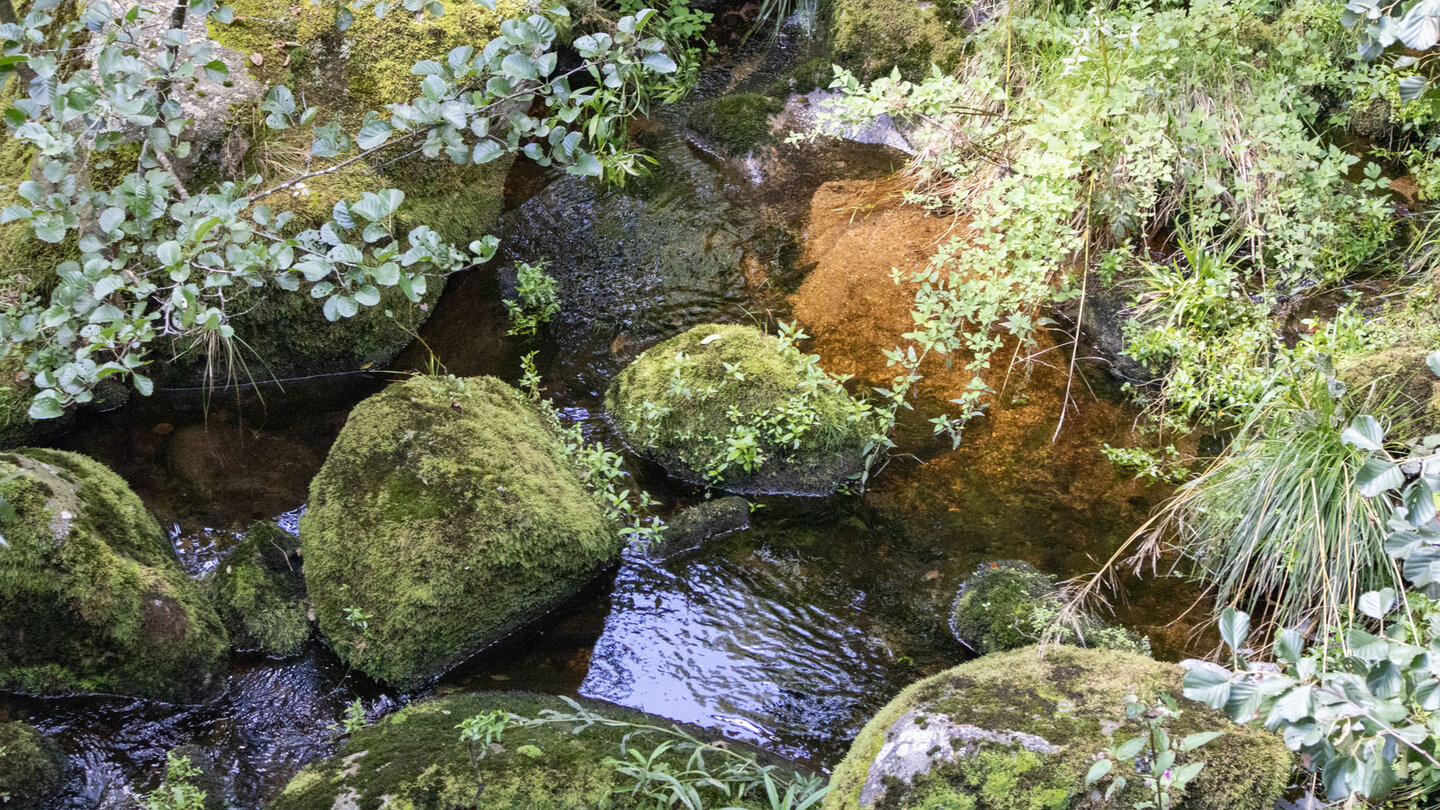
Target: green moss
735, 123
448, 511
814, 74
688, 401
1009, 604
871, 37
260, 594
414, 760
1396, 383
92, 598
32, 767
1070, 697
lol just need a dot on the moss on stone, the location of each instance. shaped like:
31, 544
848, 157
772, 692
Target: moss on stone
448, 512
414, 760
686, 401
735, 123
872, 37
1009, 604
1070, 698
1396, 383
260, 593
92, 597
32, 767
812, 74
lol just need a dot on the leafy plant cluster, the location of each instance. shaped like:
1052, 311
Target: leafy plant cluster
177, 790
162, 255
538, 298
1152, 754
1071, 143
678, 770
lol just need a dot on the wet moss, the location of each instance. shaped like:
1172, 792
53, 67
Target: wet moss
735, 123
688, 401
1009, 604
447, 512
813, 74
92, 597
1071, 698
414, 760
872, 37
32, 767
260, 594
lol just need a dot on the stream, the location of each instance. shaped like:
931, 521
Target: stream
789, 634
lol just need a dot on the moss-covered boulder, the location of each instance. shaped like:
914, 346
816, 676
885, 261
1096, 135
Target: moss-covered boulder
873, 37
446, 515
735, 408
734, 124
92, 597
414, 759
1397, 383
1009, 604
32, 767
260, 592
1020, 730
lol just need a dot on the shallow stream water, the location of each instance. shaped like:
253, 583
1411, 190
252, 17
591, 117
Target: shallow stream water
790, 633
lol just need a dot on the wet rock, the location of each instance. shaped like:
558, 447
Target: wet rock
734, 124
802, 113
1034, 725
32, 768
92, 597
446, 516
734, 408
1010, 604
260, 592
1107, 311
231, 462
414, 758
703, 521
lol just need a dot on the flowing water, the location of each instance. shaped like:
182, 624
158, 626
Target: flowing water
789, 633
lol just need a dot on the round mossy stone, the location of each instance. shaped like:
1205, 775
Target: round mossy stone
446, 515
1020, 729
32, 767
1009, 604
92, 596
415, 759
260, 593
688, 402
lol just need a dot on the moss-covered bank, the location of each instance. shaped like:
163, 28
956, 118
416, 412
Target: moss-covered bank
92, 597
446, 515
1017, 730
873, 37
742, 410
415, 760
260, 593
32, 767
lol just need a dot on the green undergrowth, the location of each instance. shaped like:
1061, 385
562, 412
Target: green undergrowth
92, 597
447, 514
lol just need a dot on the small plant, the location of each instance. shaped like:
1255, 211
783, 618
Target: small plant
1153, 753
354, 718
177, 790
479, 733
539, 298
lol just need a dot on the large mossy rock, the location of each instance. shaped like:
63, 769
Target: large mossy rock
92, 597
32, 767
689, 401
1018, 730
414, 759
873, 37
1009, 604
260, 592
449, 514
1397, 383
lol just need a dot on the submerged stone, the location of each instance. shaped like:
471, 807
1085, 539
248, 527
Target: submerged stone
260, 592
1021, 729
735, 408
92, 596
446, 516
415, 759
32, 767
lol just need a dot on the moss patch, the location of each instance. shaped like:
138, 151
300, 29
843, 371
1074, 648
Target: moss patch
746, 411
871, 37
92, 598
32, 767
260, 594
414, 760
1009, 604
1397, 384
1070, 698
735, 123
448, 512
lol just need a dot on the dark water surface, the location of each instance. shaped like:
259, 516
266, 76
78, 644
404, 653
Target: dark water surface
789, 634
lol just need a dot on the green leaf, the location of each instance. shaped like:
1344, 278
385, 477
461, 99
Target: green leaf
1098, 771
660, 63
46, 406
1130, 748
1364, 432
168, 253
1378, 475
1194, 741
519, 66
1234, 627
1377, 604
486, 151
586, 165
1208, 686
